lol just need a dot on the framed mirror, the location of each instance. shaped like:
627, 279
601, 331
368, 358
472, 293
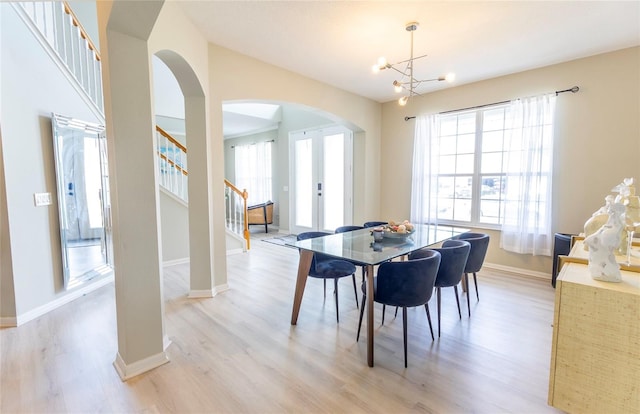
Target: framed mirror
83, 199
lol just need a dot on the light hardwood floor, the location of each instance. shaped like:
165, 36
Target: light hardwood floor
238, 353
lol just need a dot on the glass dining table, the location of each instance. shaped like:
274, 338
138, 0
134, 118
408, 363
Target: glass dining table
360, 247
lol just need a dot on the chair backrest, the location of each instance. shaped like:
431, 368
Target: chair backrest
479, 245
454, 254
317, 257
407, 283
345, 229
374, 223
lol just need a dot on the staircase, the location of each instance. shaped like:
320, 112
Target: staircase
63, 38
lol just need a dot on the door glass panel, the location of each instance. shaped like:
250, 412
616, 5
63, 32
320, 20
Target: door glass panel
303, 183
333, 182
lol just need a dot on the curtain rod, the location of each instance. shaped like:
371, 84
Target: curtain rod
572, 90
254, 143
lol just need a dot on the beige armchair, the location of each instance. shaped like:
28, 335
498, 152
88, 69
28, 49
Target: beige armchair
261, 214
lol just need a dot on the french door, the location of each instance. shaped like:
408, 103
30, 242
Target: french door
321, 179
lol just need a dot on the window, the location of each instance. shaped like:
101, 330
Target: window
488, 168
471, 178
253, 170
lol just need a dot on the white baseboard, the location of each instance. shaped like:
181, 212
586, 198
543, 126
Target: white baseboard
518, 271
207, 293
235, 251
174, 262
75, 294
139, 367
197, 294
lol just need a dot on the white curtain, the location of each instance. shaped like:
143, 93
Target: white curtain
253, 170
526, 228
425, 169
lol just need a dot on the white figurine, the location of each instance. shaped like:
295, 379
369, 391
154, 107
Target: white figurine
602, 245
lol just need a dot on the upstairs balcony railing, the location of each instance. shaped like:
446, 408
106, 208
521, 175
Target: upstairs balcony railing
55, 25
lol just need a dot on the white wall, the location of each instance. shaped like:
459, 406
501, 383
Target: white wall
597, 141
174, 222
32, 87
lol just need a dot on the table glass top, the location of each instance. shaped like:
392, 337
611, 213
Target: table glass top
359, 245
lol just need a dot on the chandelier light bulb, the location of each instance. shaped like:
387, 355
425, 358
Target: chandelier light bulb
450, 77
397, 86
375, 68
403, 101
382, 62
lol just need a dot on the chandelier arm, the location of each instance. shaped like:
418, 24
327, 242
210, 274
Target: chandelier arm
410, 59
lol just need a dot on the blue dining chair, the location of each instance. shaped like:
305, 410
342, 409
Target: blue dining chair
344, 229
453, 258
479, 246
404, 284
326, 267
375, 223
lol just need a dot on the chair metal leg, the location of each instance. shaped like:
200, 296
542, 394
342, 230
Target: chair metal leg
404, 333
384, 308
364, 299
355, 289
438, 295
335, 292
455, 288
325, 288
466, 280
426, 307
396, 314
475, 283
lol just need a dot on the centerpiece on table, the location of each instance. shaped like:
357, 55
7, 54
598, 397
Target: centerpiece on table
393, 230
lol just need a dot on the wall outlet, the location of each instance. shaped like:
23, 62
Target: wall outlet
42, 199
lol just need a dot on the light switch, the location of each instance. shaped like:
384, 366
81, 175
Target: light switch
42, 199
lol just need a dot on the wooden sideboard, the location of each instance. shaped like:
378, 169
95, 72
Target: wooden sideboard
595, 356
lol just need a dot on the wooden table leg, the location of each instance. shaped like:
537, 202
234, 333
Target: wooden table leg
303, 271
370, 315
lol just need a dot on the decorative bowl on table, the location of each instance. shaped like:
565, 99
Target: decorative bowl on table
397, 231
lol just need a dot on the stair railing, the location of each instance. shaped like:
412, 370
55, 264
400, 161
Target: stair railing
59, 31
236, 215
172, 164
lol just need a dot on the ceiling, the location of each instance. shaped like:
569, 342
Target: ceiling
337, 42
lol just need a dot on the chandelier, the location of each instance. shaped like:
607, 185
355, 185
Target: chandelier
407, 82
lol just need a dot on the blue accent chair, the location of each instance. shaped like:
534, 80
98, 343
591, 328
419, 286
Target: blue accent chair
404, 284
326, 267
454, 254
479, 245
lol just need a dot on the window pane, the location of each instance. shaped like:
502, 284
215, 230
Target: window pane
466, 144
467, 123
491, 162
448, 125
493, 119
447, 145
492, 141
445, 209
463, 187
446, 187
462, 210
464, 164
490, 211
448, 164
